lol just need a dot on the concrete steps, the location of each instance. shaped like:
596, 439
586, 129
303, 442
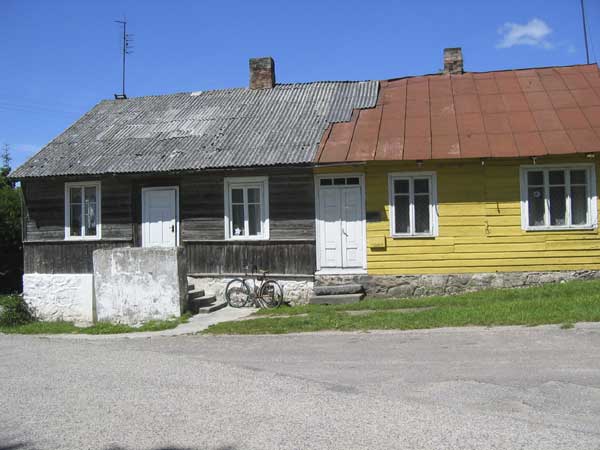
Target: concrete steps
338, 289
336, 299
200, 303
338, 294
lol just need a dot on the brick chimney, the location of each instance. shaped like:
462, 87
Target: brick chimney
453, 60
262, 73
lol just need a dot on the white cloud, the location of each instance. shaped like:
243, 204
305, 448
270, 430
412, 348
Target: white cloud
533, 33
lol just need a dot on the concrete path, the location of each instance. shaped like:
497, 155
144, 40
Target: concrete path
197, 323
471, 388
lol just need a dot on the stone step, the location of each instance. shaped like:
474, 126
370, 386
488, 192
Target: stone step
212, 308
195, 294
195, 304
338, 289
339, 299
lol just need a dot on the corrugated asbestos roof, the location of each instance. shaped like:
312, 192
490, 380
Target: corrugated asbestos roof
191, 131
509, 113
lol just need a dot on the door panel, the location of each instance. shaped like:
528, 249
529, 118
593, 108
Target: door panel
159, 218
331, 245
352, 233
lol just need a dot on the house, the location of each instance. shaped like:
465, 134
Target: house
465, 181
433, 184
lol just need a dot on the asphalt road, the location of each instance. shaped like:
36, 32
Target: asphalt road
504, 388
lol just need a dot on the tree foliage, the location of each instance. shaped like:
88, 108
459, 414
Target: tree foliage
10, 205
11, 248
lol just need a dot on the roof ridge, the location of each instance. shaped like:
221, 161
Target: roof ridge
192, 93
490, 71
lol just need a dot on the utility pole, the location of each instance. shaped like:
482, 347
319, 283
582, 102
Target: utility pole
126, 50
587, 53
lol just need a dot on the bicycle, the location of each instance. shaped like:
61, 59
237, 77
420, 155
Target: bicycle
268, 294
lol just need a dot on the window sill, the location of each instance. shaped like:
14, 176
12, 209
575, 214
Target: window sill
246, 238
413, 236
83, 239
579, 228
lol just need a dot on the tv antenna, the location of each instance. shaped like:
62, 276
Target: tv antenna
127, 49
587, 53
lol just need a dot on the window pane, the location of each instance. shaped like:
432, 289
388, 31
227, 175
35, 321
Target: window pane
578, 177
253, 195
89, 211
338, 181
556, 177
254, 228
326, 182
558, 206
401, 213
421, 186
579, 205
237, 196
352, 180
535, 200
75, 194
535, 178
237, 220
401, 186
422, 214
75, 220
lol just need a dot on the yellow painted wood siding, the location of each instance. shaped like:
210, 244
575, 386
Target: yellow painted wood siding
479, 218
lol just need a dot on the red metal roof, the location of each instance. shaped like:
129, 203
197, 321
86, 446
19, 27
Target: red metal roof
529, 112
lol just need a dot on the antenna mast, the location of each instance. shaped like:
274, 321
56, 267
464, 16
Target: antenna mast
587, 53
126, 50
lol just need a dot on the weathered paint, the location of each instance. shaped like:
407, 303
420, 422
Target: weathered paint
479, 222
134, 285
66, 296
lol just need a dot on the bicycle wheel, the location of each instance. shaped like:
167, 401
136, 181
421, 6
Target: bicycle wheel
271, 294
237, 293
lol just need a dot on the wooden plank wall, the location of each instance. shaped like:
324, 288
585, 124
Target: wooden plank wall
279, 257
479, 224
291, 211
63, 257
45, 209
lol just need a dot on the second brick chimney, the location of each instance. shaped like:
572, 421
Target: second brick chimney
262, 73
453, 60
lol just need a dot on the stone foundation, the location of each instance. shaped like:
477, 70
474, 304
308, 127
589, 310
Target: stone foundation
406, 286
135, 285
296, 291
68, 297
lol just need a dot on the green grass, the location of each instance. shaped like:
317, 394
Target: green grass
36, 327
565, 303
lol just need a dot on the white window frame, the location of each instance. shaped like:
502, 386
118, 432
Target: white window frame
82, 184
592, 213
247, 182
433, 213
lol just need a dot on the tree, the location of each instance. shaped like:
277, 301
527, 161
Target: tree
10, 227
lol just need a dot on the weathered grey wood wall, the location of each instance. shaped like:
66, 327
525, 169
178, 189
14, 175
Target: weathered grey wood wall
290, 249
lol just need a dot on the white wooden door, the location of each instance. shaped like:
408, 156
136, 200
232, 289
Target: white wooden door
159, 217
340, 224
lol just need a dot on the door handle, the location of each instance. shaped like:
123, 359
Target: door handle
172, 228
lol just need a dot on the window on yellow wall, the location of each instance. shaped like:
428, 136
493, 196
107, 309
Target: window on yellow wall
413, 200
558, 197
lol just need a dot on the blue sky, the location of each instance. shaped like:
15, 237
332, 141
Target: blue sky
60, 58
